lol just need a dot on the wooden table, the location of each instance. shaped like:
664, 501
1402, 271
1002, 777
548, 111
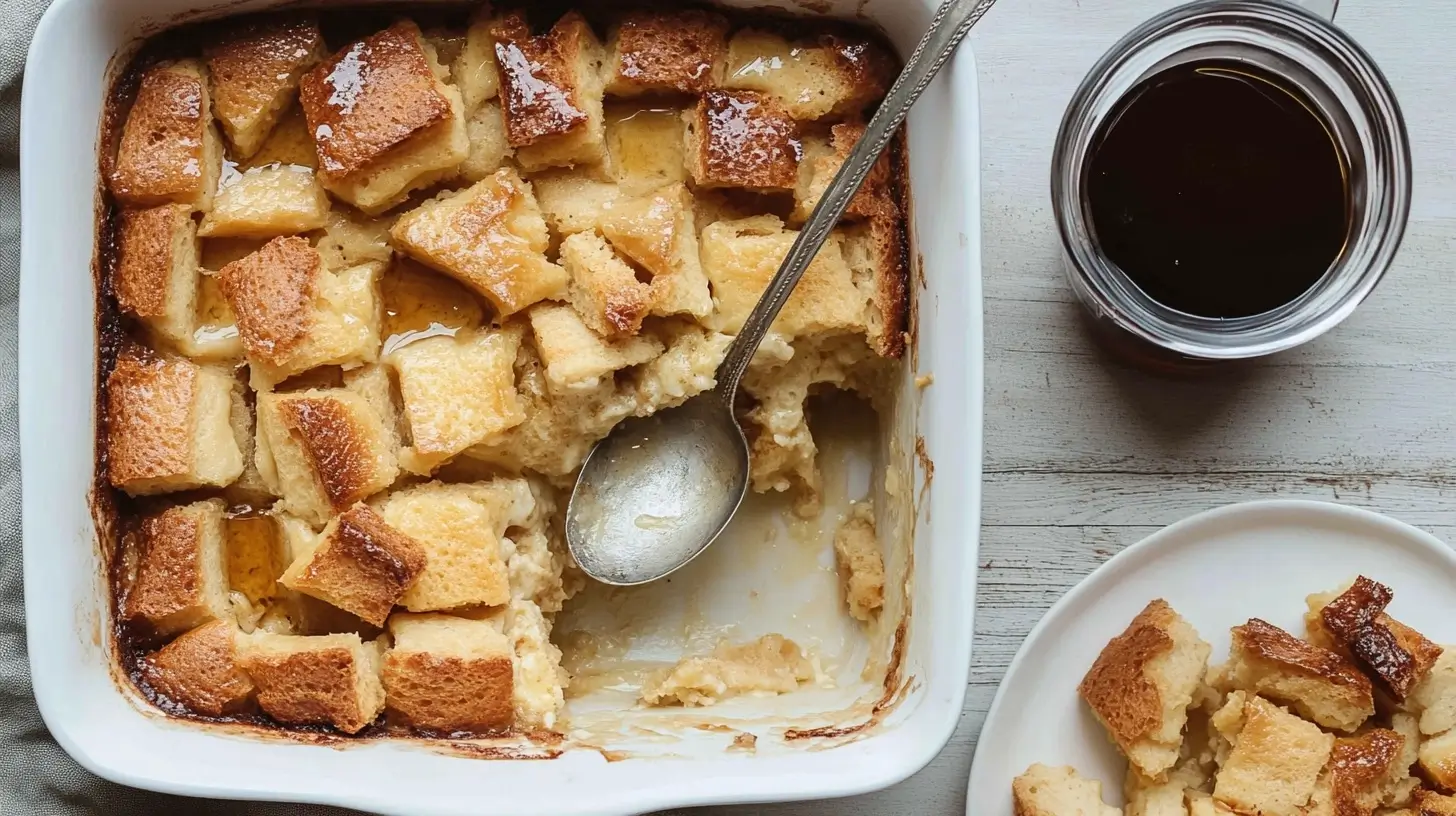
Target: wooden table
1084, 456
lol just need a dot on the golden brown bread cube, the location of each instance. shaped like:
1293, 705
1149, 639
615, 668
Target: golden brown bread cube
265, 202
1438, 761
741, 139
156, 273
1319, 684
474, 69
450, 674
459, 527
876, 253
860, 563
828, 76
1435, 698
255, 71
169, 150
294, 314
646, 145
1396, 656
574, 200
657, 51
605, 291
741, 257
359, 564
491, 237
1362, 774
169, 426
822, 160
1429, 803
1045, 791
657, 233
315, 680
489, 148
457, 391
577, 357
383, 120
181, 570
323, 450
551, 91
1275, 761
1142, 684
199, 671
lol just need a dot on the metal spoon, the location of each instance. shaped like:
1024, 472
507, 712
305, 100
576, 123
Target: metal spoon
657, 491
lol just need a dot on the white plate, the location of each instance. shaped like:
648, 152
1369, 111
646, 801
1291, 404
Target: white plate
1218, 569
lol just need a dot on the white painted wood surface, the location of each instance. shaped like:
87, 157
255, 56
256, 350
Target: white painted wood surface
1085, 456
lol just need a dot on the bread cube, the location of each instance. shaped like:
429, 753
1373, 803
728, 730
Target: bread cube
1362, 774
199, 671
860, 563
1398, 657
450, 674
577, 357
821, 162
741, 139
1428, 803
1435, 697
574, 201
551, 91
1142, 684
351, 239
169, 426
1163, 797
315, 680
323, 450
474, 69
1045, 791
491, 237
741, 257
605, 291
488, 146
646, 145
359, 564
169, 150
876, 253
290, 143
156, 273
654, 51
383, 120
1275, 762
657, 232
1438, 761
293, 314
1319, 684
265, 202
1202, 804
830, 76
459, 527
457, 391
256, 68
181, 570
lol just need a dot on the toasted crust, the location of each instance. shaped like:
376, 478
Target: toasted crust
199, 671
742, 139
181, 580
362, 565
604, 290
1360, 772
1428, 803
255, 72
654, 50
338, 448
147, 259
1397, 656
1275, 763
164, 153
876, 253
320, 679
371, 97
450, 674
147, 402
823, 77
540, 92
1118, 688
272, 293
1438, 761
1266, 657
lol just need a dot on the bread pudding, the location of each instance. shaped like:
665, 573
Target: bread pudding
376, 283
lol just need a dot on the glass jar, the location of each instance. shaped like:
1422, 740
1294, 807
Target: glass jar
1357, 105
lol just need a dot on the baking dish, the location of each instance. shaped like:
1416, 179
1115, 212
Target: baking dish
935, 434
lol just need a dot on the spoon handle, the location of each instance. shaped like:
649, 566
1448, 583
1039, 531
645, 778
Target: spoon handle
951, 22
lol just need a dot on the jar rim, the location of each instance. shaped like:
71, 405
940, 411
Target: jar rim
1373, 137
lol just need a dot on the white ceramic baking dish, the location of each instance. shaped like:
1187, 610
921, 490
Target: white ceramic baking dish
672, 760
